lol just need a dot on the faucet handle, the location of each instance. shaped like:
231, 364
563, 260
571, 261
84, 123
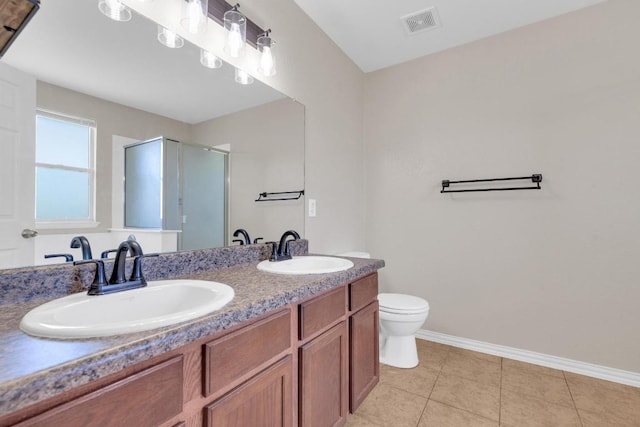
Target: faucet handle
105, 254
67, 257
239, 241
257, 239
136, 273
274, 250
100, 279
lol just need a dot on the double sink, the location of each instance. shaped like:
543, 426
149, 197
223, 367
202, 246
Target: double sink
160, 303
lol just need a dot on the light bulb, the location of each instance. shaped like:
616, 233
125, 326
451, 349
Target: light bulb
115, 10
267, 63
209, 60
169, 38
235, 25
235, 41
243, 77
195, 16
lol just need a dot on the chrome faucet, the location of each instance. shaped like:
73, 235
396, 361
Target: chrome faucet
82, 242
282, 251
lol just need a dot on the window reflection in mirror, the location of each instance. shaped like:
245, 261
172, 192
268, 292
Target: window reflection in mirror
64, 168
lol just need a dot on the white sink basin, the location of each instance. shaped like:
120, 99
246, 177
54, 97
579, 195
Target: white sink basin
161, 303
306, 265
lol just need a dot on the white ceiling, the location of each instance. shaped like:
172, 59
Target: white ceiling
370, 32
69, 43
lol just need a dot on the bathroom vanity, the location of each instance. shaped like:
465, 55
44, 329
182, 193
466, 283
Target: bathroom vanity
289, 350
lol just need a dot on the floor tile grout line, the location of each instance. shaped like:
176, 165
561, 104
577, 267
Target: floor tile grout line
467, 379
433, 387
572, 399
465, 410
500, 394
407, 391
534, 395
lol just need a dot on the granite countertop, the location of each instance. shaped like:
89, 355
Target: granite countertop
33, 369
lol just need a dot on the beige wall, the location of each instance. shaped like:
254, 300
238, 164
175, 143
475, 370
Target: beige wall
553, 271
112, 119
267, 154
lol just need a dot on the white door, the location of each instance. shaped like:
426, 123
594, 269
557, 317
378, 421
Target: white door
17, 160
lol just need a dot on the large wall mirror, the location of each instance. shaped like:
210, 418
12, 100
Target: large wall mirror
74, 62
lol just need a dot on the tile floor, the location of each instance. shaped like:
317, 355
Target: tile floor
453, 387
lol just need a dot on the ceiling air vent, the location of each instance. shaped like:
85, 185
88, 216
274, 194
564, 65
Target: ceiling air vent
419, 22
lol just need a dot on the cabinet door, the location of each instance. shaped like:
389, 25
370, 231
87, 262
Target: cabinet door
265, 400
323, 379
364, 366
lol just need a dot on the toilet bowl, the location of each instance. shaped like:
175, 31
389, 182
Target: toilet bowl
400, 318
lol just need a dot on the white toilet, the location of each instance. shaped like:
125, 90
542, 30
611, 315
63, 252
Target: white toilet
400, 318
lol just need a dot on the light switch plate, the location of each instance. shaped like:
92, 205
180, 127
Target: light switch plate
312, 207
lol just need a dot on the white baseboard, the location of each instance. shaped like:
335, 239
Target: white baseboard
588, 369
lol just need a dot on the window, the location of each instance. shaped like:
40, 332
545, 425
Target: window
65, 172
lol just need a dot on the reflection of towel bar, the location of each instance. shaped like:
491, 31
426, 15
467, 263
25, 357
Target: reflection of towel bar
266, 197
535, 178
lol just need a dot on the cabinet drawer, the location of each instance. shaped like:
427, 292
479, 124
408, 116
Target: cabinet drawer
147, 398
265, 400
232, 356
321, 311
362, 292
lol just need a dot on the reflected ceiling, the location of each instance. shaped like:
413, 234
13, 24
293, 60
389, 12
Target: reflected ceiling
69, 43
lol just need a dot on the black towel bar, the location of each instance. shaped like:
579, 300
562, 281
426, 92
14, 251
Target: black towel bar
535, 178
266, 197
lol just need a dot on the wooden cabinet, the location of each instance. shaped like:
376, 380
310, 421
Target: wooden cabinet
363, 291
364, 367
235, 355
305, 364
323, 379
147, 398
320, 312
266, 400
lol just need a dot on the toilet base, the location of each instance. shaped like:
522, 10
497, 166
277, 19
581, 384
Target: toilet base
400, 352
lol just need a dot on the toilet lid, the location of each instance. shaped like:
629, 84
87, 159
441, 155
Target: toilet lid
401, 303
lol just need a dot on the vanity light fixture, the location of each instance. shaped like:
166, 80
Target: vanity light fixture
115, 10
243, 78
209, 60
235, 25
194, 16
169, 38
267, 66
